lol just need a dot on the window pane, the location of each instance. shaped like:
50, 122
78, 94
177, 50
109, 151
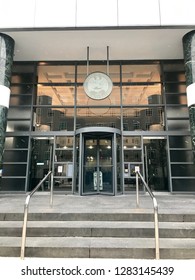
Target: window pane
177, 112
181, 156
180, 142
64, 142
176, 99
12, 184
143, 118
17, 100
14, 170
112, 100
131, 142
19, 113
55, 96
56, 74
141, 95
21, 89
63, 155
22, 74
132, 155
54, 119
183, 185
140, 73
18, 126
98, 117
178, 124
182, 170
16, 142
15, 156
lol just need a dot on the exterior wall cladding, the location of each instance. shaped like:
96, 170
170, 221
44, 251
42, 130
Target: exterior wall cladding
21, 18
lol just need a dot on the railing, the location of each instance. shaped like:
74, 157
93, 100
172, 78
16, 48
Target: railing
26, 207
156, 226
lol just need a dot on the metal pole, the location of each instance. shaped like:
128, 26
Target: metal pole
137, 190
87, 61
156, 229
108, 60
22, 254
51, 190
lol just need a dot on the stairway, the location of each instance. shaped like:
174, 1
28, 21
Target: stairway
129, 234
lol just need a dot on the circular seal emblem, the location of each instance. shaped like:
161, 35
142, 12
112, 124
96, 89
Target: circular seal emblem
98, 85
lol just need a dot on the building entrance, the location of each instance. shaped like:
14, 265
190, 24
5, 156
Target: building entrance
98, 162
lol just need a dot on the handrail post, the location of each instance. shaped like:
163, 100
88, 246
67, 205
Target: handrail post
26, 206
51, 190
22, 254
137, 189
156, 227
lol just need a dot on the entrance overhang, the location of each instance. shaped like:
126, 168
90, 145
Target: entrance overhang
126, 43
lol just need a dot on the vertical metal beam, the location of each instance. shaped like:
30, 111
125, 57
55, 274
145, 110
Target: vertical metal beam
87, 61
108, 60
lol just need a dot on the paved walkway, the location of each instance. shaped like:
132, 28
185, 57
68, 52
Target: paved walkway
168, 203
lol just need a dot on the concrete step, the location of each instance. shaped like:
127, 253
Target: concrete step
98, 229
91, 247
130, 215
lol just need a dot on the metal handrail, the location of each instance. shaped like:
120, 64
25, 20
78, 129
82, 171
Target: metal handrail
26, 207
156, 226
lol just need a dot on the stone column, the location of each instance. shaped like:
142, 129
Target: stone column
189, 60
6, 60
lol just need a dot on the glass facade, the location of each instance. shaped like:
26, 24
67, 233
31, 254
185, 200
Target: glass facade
147, 105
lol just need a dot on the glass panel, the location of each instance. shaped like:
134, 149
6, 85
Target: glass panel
12, 184
17, 100
56, 74
64, 142
22, 74
63, 155
180, 142
156, 163
183, 185
114, 72
182, 170
175, 88
15, 156
19, 113
131, 142
106, 180
14, 170
41, 161
177, 112
181, 156
176, 99
140, 73
178, 124
65, 170
132, 155
55, 95
141, 94
98, 117
54, 119
16, 142
18, 126
105, 152
112, 100
88, 179
150, 118
21, 89
63, 184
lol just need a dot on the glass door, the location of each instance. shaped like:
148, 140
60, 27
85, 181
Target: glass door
41, 161
97, 164
155, 156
